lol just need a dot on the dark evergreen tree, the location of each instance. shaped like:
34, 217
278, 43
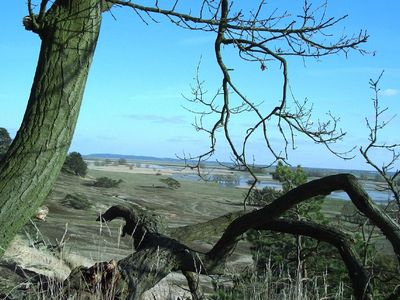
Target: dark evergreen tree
74, 163
5, 141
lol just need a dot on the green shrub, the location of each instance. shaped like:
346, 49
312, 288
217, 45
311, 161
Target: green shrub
264, 196
76, 201
171, 182
75, 164
106, 182
122, 161
283, 249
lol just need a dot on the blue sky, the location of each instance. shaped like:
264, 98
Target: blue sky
133, 101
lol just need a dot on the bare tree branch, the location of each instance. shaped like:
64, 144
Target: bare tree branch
375, 126
261, 37
324, 186
168, 254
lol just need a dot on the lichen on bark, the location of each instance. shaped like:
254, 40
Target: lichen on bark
69, 35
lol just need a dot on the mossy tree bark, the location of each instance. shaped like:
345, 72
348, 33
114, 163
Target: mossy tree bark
69, 32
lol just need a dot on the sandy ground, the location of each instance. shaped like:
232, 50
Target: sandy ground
85, 244
168, 170
149, 168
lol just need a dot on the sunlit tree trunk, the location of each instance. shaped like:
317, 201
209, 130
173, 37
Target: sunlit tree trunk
69, 34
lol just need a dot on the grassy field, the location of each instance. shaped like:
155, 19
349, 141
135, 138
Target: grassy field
89, 241
193, 202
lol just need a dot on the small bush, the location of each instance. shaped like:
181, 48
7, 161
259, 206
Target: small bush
264, 196
122, 161
106, 182
171, 182
76, 201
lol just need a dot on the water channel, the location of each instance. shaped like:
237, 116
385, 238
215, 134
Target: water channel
370, 187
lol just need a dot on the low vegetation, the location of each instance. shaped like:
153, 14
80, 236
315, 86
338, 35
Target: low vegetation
293, 265
75, 164
284, 265
106, 182
76, 201
171, 183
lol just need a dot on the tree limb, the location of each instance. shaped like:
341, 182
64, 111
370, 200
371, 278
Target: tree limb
323, 186
159, 254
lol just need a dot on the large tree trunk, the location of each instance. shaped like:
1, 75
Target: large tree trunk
69, 34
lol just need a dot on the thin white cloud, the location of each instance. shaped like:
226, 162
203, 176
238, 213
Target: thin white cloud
390, 92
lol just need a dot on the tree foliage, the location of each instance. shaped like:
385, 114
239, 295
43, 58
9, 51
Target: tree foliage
5, 141
260, 197
122, 161
74, 163
274, 252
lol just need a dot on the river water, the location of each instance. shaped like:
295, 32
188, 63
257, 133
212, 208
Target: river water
370, 187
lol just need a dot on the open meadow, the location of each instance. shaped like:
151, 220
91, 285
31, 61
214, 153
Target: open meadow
70, 236
74, 206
